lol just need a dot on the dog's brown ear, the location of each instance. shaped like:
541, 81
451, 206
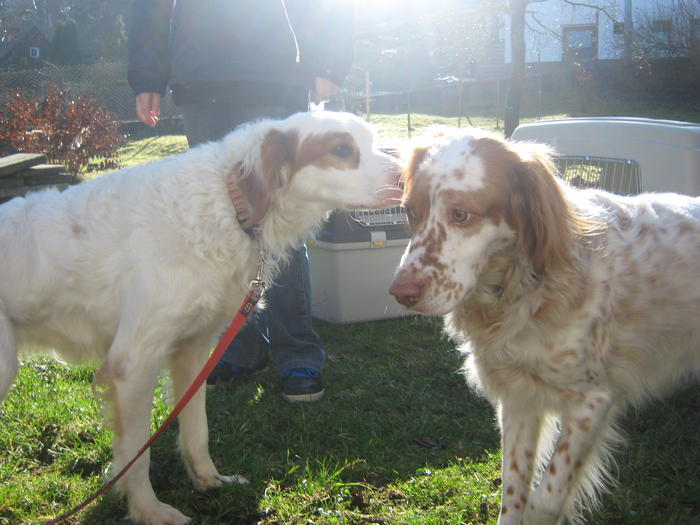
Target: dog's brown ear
255, 197
415, 158
277, 156
259, 183
539, 211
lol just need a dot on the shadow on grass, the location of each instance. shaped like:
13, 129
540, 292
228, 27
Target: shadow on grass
395, 406
396, 414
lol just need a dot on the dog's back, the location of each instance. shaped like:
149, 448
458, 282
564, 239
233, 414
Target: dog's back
647, 257
73, 261
58, 249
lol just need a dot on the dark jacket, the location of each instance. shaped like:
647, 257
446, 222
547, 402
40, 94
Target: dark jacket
286, 42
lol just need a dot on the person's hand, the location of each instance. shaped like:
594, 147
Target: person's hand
148, 108
324, 88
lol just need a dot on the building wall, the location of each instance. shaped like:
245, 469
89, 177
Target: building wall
546, 20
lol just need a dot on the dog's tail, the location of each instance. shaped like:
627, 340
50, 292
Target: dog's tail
8, 353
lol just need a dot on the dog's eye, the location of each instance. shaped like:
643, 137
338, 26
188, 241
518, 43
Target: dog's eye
342, 151
461, 216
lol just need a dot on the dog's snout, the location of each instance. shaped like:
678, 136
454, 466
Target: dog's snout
394, 168
407, 291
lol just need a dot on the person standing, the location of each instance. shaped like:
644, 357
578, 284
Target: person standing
227, 62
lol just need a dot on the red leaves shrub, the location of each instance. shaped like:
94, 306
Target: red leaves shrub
77, 132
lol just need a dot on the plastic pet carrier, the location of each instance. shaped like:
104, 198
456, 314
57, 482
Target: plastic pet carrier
623, 155
352, 261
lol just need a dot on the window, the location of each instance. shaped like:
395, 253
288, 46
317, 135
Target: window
34, 52
661, 26
619, 28
580, 42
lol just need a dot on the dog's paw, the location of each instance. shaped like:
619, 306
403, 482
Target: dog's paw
158, 514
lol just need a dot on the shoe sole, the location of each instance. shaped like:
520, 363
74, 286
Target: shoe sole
303, 398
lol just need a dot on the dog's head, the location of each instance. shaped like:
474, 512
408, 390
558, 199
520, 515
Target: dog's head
470, 196
327, 159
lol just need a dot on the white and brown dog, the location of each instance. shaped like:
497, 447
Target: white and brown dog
569, 304
144, 267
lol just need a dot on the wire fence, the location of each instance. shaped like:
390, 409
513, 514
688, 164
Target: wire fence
107, 81
484, 95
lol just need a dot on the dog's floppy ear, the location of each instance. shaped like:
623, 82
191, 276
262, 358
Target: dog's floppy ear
540, 213
259, 182
415, 158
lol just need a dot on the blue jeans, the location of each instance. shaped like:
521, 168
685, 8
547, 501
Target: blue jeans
283, 330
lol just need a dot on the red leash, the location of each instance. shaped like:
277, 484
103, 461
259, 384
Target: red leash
256, 289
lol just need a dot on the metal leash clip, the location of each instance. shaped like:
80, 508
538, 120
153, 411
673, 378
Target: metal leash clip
258, 284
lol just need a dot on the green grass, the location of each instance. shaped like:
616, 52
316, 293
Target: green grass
362, 454
143, 150
398, 438
392, 128
140, 151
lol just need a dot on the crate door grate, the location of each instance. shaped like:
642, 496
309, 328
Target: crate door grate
385, 217
614, 175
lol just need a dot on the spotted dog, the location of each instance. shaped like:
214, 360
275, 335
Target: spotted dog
569, 305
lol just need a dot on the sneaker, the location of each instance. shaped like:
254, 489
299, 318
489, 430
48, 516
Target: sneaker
225, 372
302, 385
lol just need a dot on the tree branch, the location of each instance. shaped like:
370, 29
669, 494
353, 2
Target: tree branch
599, 8
543, 28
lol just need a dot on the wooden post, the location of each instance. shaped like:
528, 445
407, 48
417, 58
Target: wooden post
408, 109
539, 95
499, 98
459, 104
367, 98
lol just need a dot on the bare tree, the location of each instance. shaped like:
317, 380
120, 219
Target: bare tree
667, 29
517, 10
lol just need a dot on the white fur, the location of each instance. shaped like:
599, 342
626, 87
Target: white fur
144, 267
560, 347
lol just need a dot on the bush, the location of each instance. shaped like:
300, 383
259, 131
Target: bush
75, 131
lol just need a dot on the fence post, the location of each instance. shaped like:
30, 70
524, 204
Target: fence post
498, 101
539, 96
459, 104
408, 109
367, 98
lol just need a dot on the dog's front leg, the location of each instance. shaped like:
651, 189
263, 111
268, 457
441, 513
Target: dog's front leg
185, 364
583, 426
520, 430
130, 386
